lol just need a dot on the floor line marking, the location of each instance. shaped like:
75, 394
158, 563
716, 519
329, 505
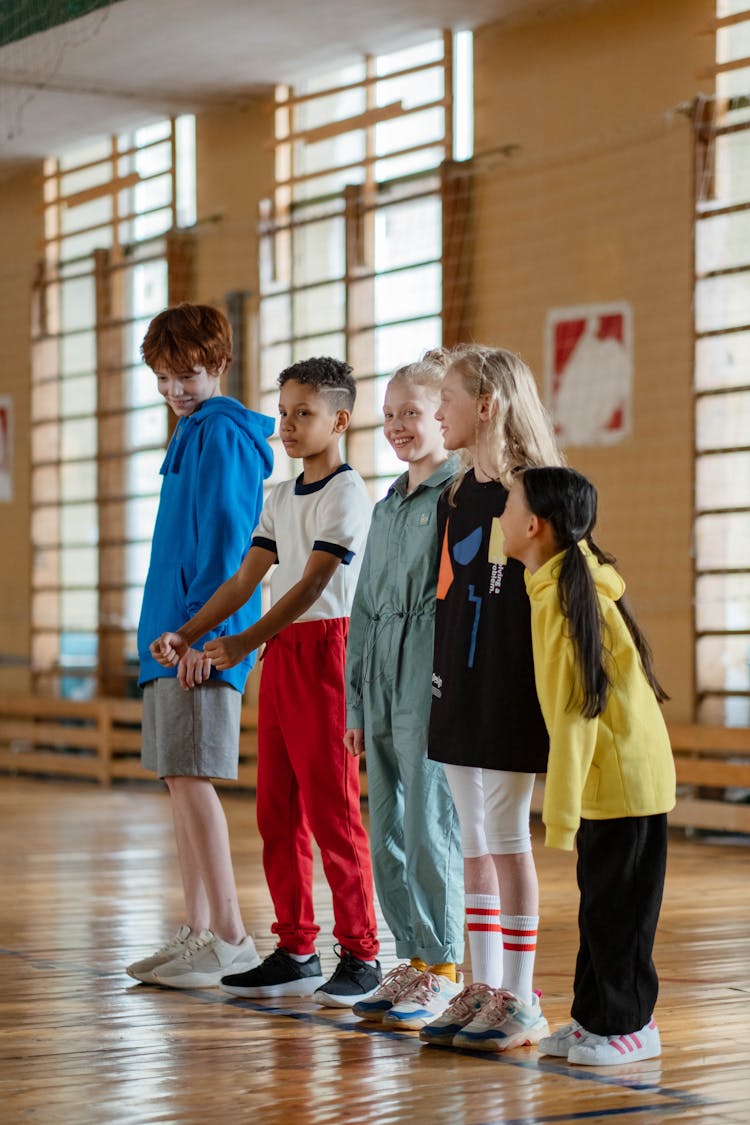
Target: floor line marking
680, 1099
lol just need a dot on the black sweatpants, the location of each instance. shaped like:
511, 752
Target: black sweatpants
621, 869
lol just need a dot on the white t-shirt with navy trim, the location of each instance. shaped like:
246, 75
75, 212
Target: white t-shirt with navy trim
332, 515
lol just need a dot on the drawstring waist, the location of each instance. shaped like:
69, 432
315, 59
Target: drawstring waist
400, 614
387, 664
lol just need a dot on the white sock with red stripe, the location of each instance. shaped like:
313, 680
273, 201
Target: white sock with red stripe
485, 939
519, 952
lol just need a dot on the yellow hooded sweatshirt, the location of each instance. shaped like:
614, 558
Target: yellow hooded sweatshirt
620, 763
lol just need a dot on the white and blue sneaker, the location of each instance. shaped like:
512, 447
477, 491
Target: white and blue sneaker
505, 1022
461, 1011
394, 985
426, 998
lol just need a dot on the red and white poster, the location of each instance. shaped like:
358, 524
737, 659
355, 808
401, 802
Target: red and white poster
6, 448
589, 373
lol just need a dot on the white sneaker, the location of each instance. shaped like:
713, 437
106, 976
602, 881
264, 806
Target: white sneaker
423, 1001
560, 1041
462, 1010
143, 970
503, 1023
205, 960
614, 1050
394, 986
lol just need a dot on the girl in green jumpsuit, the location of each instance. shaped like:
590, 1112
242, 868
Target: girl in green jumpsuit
414, 837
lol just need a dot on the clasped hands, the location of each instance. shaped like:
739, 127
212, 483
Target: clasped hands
194, 666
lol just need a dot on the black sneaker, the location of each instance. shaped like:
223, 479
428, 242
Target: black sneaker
353, 980
278, 975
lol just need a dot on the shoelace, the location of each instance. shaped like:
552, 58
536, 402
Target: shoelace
424, 987
501, 1004
395, 981
350, 967
465, 1004
173, 946
194, 945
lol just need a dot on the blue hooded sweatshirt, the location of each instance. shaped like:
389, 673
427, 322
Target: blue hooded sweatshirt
210, 502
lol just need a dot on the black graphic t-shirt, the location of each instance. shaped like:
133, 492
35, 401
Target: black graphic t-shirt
485, 710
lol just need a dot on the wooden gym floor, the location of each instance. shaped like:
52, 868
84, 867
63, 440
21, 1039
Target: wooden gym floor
89, 882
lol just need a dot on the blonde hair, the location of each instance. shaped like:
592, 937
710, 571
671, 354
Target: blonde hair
427, 372
520, 433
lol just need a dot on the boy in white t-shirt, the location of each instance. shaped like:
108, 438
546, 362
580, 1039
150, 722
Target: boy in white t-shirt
315, 529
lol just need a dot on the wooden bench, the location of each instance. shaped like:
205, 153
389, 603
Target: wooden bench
125, 745
713, 770
98, 740
56, 737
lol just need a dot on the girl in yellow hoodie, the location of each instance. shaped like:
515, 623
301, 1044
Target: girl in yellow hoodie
611, 778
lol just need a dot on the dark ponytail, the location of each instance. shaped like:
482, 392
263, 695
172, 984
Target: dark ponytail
643, 648
579, 603
568, 502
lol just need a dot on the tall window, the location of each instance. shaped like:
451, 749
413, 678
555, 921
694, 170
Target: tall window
722, 381
352, 241
98, 427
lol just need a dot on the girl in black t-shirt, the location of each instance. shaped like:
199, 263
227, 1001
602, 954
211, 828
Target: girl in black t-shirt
486, 726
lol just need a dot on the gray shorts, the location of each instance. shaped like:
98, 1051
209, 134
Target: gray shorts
192, 733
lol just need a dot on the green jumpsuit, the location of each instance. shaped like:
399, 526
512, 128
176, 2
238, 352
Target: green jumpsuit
414, 834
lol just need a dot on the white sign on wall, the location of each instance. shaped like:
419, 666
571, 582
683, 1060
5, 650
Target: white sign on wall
589, 373
6, 447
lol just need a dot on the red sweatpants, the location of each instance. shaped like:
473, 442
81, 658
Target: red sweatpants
308, 787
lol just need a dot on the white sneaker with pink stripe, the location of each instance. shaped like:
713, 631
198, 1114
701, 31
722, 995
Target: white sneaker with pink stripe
560, 1041
588, 1049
